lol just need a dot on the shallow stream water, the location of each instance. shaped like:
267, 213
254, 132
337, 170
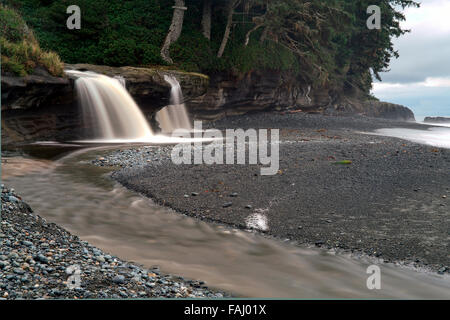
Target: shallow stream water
73, 193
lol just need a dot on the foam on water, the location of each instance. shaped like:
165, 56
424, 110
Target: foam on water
436, 136
435, 124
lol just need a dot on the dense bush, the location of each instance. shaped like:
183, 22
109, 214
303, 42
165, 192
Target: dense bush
118, 33
324, 42
20, 52
113, 32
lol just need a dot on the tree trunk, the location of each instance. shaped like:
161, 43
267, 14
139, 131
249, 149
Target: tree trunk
174, 30
264, 35
232, 5
247, 36
206, 18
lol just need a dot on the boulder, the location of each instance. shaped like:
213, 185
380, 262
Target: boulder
437, 120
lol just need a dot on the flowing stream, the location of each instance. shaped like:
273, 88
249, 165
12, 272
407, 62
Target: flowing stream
61, 185
82, 198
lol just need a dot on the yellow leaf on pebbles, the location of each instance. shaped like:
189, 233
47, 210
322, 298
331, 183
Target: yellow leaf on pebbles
346, 162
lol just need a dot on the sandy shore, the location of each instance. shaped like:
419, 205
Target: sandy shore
390, 202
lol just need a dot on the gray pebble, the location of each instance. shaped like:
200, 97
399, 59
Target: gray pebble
227, 204
119, 279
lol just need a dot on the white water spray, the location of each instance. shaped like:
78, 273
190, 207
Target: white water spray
106, 102
438, 136
175, 115
121, 80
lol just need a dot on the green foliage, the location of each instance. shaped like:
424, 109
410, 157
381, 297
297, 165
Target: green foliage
323, 42
266, 56
202, 57
371, 51
12, 27
113, 32
20, 52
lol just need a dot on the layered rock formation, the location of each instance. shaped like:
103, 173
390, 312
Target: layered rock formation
437, 120
40, 106
43, 107
147, 85
256, 91
371, 108
253, 91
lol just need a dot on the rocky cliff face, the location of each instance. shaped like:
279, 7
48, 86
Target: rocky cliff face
370, 108
147, 85
43, 107
254, 91
36, 106
33, 91
40, 106
440, 120
257, 91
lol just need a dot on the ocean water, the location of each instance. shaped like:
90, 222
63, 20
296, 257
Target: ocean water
438, 135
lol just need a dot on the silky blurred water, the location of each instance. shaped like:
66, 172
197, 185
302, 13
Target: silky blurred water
438, 136
82, 198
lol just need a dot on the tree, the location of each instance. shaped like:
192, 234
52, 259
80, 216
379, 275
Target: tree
331, 38
259, 21
174, 30
321, 42
206, 18
232, 5
371, 51
304, 28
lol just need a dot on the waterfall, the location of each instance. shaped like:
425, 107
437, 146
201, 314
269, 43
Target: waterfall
121, 80
175, 115
106, 103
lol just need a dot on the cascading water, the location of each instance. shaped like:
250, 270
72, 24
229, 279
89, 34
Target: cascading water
109, 109
121, 80
175, 115
107, 104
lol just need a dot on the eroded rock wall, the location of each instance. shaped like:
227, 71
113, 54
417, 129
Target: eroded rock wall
258, 91
43, 107
40, 106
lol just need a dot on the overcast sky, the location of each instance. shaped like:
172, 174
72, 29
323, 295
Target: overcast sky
420, 78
